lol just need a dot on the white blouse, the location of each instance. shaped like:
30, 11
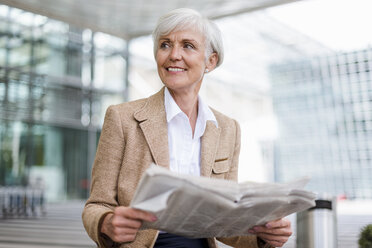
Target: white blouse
184, 149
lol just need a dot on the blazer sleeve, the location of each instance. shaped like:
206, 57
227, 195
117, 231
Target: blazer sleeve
251, 241
106, 167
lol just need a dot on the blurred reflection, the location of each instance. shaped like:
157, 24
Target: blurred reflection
324, 110
55, 84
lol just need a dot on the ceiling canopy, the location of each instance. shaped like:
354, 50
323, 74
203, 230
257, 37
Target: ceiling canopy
131, 18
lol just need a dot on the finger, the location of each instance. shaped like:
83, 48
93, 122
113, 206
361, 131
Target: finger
119, 231
275, 243
120, 221
142, 215
278, 223
286, 231
273, 238
137, 214
123, 234
121, 238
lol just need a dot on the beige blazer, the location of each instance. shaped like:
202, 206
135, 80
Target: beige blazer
134, 135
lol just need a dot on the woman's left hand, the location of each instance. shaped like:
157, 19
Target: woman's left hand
275, 233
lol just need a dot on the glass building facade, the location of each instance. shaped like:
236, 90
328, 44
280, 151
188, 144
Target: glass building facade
56, 82
324, 111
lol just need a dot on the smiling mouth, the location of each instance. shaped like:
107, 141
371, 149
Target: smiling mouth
174, 69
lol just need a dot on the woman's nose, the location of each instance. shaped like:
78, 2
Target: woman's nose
175, 53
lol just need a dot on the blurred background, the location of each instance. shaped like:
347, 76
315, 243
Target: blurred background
297, 76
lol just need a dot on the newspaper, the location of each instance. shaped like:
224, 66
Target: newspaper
200, 207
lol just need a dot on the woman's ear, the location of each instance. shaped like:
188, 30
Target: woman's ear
212, 62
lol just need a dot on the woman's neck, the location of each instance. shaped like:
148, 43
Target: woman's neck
188, 103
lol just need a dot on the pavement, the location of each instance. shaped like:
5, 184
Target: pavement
61, 227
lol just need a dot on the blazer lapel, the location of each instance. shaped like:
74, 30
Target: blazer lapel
152, 120
209, 145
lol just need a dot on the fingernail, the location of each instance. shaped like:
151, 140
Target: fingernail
154, 218
251, 231
268, 225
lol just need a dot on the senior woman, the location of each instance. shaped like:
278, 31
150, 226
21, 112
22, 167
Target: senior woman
175, 129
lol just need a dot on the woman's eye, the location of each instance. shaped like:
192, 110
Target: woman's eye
188, 45
164, 45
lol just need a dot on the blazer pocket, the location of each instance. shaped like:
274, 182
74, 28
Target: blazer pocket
221, 166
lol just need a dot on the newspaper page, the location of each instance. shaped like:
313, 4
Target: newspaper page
200, 207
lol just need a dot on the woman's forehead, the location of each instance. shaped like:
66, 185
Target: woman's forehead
184, 34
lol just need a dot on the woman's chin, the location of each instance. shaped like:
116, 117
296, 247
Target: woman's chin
175, 85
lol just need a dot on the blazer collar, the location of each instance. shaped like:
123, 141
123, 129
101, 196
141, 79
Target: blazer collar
152, 120
209, 145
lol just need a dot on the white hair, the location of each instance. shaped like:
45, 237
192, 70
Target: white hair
182, 19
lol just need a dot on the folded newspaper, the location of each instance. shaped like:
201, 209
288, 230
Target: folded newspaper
200, 207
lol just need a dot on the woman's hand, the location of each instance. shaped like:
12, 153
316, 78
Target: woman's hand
275, 233
124, 223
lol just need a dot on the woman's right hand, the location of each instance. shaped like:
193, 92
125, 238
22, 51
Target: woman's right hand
123, 225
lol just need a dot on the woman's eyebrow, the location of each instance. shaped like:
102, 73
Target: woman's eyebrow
183, 40
190, 40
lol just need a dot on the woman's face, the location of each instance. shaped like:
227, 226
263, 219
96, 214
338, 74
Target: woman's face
181, 59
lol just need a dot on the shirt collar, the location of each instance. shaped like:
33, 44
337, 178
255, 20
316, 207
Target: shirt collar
204, 112
171, 107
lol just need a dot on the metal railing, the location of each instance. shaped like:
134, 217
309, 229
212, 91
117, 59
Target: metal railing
18, 202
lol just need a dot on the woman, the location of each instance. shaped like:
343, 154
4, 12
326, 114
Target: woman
175, 129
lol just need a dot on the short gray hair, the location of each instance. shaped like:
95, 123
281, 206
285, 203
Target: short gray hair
183, 18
